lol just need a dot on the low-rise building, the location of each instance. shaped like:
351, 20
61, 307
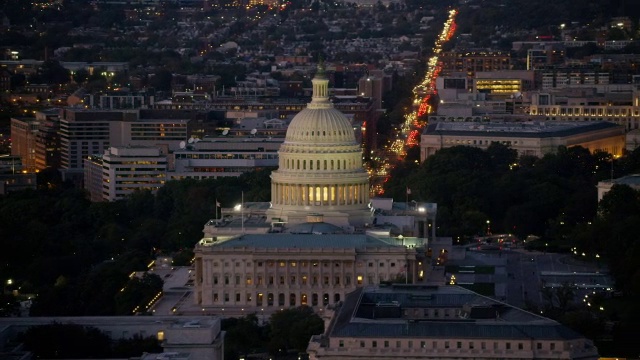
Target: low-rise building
633, 181
196, 337
446, 322
528, 138
129, 169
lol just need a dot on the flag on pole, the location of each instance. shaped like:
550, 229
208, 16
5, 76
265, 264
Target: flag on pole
218, 204
408, 191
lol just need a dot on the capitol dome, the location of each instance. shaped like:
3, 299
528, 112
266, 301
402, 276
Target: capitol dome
320, 163
320, 122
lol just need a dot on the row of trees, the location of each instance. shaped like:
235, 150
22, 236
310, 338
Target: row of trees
77, 255
554, 196
287, 331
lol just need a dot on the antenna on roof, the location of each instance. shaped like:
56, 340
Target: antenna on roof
225, 132
190, 140
182, 144
254, 131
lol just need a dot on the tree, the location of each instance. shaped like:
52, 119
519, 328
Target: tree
292, 328
67, 341
244, 336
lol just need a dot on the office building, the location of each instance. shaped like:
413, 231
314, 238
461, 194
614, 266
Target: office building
48, 139
528, 138
446, 322
224, 156
129, 169
23, 141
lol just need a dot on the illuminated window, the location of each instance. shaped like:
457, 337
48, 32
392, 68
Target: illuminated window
160, 336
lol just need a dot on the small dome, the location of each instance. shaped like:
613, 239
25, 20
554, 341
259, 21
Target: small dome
327, 125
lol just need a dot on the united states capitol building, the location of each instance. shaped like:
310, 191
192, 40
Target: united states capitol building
315, 241
363, 264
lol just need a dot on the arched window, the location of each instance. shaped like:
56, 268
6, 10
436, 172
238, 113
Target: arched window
281, 299
292, 299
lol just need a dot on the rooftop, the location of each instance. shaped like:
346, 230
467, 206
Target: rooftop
301, 241
370, 313
518, 129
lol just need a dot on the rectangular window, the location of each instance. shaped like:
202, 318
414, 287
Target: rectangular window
336, 280
374, 344
341, 343
508, 346
237, 297
446, 344
471, 345
520, 346
281, 281
539, 346
386, 343
398, 344
552, 346
423, 344
359, 279
237, 280
459, 345
361, 343
249, 281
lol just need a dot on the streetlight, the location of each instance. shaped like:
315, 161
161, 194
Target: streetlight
488, 227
